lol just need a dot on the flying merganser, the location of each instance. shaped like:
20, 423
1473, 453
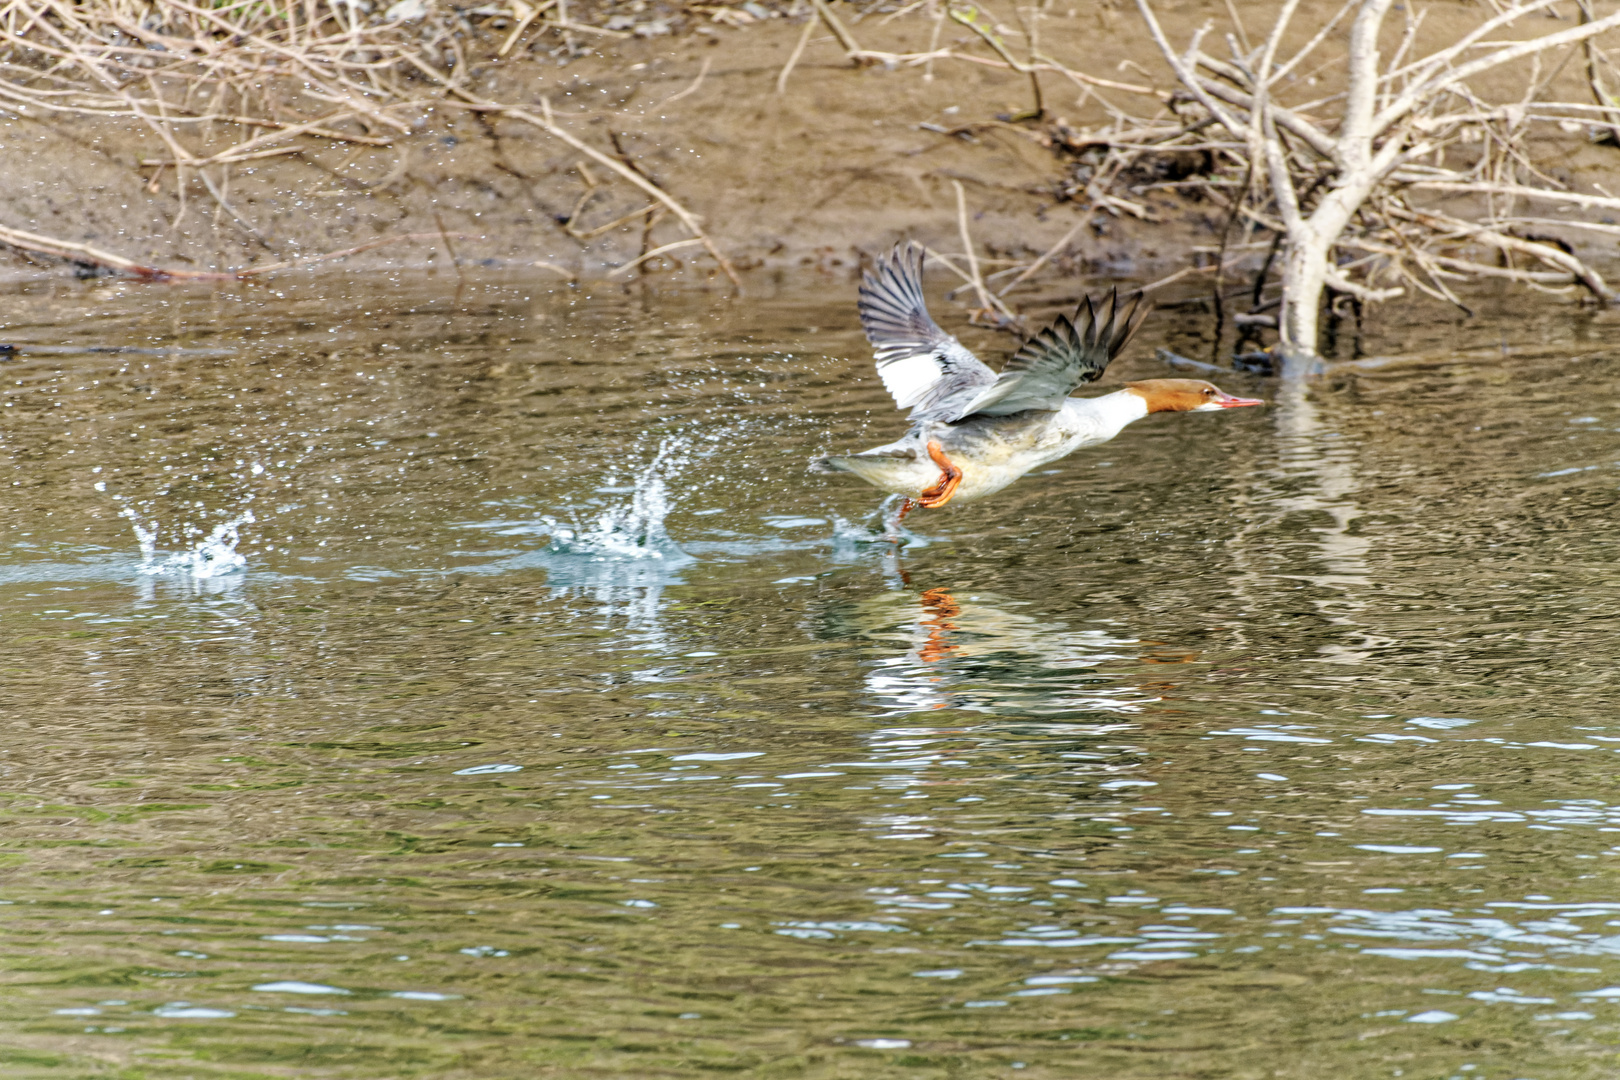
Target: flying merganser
973, 432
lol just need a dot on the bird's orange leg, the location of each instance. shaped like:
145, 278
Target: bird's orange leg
950, 479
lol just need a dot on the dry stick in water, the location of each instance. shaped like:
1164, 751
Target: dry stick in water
219, 198
945, 261
1186, 271
444, 235
1010, 321
255, 271
591, 234
653, 254
1546, 253
992, 305
647, 228
554, 268
90, 256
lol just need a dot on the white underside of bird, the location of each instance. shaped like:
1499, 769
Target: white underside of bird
992, 451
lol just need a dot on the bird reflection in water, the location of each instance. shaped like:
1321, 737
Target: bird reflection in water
978, 652
940, 608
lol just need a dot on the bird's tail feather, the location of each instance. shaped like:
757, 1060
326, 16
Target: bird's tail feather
866, 465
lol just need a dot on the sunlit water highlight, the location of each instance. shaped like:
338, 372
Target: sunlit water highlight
544, 718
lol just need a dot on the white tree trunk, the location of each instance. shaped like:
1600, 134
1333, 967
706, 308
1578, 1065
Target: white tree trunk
1387, 121
1305, 270
1304, 275
1311, 239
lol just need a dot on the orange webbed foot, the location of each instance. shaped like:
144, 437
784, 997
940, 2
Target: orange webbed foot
950, 479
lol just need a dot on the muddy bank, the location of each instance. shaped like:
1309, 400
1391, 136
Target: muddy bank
821, 169
845, 160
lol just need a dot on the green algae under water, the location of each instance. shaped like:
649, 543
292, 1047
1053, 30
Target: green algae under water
545, 719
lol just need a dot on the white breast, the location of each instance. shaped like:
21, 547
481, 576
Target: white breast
994, 460
1088, 421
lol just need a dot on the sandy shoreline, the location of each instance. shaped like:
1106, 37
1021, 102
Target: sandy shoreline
833, 169
819, 171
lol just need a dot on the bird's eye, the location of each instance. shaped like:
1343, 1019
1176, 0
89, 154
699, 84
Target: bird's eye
1209, 391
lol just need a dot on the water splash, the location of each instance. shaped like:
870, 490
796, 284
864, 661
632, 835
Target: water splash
635, 530
214, 556
624, 557
882, 530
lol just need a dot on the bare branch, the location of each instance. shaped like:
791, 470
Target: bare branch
1188, 75
1287, 119
1418, 69
1547, 253
1311, 45
1361, 292
1596, 202
1431, 86
1284, 17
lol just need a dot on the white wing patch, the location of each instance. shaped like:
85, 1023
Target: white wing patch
922, 366
909, 378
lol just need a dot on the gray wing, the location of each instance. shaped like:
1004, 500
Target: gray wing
1055, 362
925, 369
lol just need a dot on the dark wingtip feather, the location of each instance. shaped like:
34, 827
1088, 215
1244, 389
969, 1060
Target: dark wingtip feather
1105, 330
1109, 326
1135, 316
1102, 328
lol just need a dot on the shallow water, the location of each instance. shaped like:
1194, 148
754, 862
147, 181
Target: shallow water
542, 718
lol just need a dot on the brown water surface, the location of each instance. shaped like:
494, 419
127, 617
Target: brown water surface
542, 718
